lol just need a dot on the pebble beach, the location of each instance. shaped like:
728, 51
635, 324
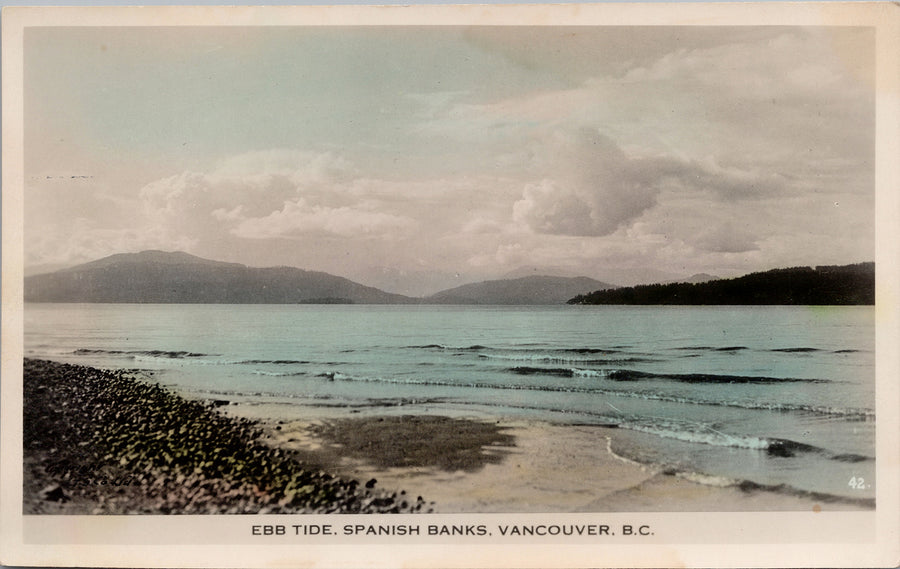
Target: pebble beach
112, 442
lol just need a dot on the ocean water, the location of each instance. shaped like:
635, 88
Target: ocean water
778, 396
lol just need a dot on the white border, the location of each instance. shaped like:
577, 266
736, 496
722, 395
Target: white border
852, 539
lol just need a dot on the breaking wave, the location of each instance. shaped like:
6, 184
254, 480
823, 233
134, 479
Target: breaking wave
134, 353
633, 375
749, 486
846, 413
193, 357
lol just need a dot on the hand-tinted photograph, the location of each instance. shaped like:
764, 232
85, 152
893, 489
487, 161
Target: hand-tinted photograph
448, 269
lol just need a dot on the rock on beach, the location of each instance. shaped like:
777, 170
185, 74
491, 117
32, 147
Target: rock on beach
111, 442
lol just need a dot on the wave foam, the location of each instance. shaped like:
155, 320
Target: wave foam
277, 373
708, 437
848, 413
166, 354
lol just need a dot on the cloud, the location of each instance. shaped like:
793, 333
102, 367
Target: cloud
600, 146
733, 183
796, 64
80, 240
547, 208
302, 167
482, 225
269, 194
726, 238
596, 188
780, 101
299, 218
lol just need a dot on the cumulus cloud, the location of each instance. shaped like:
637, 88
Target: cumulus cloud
597, 188
548, 209
298, 218
270, 194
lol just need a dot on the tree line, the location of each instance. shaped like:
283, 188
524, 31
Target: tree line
822, 285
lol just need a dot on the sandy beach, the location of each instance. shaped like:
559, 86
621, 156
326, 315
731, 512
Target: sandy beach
528, 466
109, 442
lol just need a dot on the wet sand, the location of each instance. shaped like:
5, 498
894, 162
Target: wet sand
523, 466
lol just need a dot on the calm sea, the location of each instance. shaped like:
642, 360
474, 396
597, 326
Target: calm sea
773, 395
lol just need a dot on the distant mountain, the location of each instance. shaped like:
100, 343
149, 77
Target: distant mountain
406, 282
525, 290
618, 276
545, 271
825, 285
162, 277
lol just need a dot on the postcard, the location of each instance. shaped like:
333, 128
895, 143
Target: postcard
588, 285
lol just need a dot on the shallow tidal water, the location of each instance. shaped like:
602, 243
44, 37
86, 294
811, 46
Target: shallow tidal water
778, 396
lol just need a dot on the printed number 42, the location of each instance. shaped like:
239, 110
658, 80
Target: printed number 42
858, 483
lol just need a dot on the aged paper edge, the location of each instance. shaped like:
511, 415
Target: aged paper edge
852, 539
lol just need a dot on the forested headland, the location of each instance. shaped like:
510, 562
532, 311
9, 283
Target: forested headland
823, 285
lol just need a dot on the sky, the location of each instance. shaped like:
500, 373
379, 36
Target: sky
441, 155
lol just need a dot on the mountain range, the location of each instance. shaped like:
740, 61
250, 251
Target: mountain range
619, 276
177, 277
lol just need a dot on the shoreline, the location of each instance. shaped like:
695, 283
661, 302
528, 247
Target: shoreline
110, 442
550, 468
404, 459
